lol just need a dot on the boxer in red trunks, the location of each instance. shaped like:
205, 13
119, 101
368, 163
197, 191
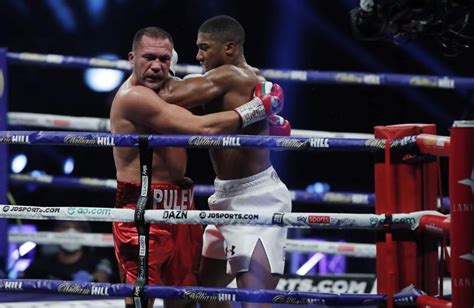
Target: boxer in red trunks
174, 249
138, 109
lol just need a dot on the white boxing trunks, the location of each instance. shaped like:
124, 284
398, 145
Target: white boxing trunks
263, 192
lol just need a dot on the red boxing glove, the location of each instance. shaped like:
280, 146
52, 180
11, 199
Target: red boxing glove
271, 95
268, 100
279, 126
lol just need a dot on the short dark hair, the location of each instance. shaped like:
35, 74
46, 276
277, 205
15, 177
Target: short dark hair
155, 32
224, 29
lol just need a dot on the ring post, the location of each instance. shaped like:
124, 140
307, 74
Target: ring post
404, 187
461, 193
3, 156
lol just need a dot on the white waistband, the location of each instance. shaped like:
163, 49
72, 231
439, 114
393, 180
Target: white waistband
243, 184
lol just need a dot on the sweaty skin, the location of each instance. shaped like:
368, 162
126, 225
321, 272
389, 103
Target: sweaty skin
223, 87
137, 109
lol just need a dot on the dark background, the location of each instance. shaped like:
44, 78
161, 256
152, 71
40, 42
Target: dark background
281, 34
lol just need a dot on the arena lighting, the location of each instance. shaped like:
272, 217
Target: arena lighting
19, 162
68, 165
103, 79
308, 265
96, 10
18, 257
63, 13
318, 187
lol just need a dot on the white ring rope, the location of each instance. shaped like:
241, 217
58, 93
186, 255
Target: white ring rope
106, 240
103, 124
58, 121
302, 220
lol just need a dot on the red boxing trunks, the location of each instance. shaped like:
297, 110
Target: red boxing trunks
175, 250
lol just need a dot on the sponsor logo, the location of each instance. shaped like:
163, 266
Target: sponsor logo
469, 181
380, 143
292, 75
136, 293
433, 83
95, 290
142, 245
175, 215
301, 218
446, 83
277, 219
231, 251
79, 140
288, 143
463, 207
319, 142
224, 297
237, 216
312, 219
105, 141
343, 221
12, 285
230, 215
88, 211
199, 296
374, 221
144, 186
282, 299
423, 82
336, 197
231, 141
61, 123
345, 248
328, 284
20, 139
82, 140
404, 221
469, 257
31, 209
346, 77
203, 141
353, 78
91, 182
73, 288
376, 143
371, 79
464, 282
101, 62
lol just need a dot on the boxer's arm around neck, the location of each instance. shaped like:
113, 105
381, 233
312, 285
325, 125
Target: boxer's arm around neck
200, 90
143, 107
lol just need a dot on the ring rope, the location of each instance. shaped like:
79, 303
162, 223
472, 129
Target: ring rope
301, 220
331, 197
106, 240
192, 293
99, 139
199, 190
57, 121
310, 76
103, 124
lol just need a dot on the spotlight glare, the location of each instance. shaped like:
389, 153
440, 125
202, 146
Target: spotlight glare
103, 79
68, 166
19, 163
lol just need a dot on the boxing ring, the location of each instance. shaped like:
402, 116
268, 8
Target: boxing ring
406, 222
